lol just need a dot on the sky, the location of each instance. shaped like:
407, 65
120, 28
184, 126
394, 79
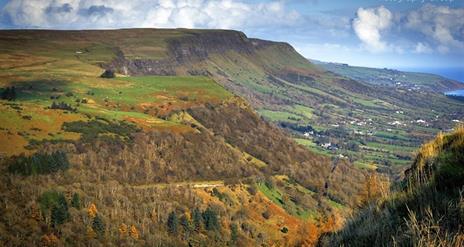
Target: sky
376, 33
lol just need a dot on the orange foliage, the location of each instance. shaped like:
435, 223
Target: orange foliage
49, 240
134, 233
92, 210
123, 230
310, 234
333, 223
373, 189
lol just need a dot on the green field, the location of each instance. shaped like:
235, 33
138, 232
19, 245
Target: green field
144, 100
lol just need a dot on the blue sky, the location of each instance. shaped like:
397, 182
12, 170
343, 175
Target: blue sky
375, 33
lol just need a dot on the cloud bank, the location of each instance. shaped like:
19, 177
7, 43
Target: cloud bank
426, 30
439, 24
85, 14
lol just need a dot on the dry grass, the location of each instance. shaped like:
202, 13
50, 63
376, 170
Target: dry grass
428, 211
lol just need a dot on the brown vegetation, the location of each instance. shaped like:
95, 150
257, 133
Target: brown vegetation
425, 211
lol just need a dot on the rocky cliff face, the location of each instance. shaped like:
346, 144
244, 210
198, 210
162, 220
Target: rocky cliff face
186, 53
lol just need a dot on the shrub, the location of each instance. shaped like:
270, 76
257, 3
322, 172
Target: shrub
62, 106
108, 74
92, 129
218, 194
266, 214
9, 94
252, 189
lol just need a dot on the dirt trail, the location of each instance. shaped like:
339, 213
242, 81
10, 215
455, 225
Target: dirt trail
199, 184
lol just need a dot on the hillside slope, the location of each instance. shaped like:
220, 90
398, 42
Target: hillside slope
427, 211
147, 160
373, 126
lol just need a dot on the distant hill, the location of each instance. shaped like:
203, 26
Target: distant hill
393, 77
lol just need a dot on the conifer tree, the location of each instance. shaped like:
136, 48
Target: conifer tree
76, 201
197, 219
186, 225
59, 212
172, 223
210, 219
98, 225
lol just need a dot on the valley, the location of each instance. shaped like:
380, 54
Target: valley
172, 160
179, 137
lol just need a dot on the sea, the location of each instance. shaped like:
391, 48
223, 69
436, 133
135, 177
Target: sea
450, 73
456, 73
459, 93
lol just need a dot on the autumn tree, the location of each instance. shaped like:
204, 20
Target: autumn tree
122, 230
309, 234
92, 210
330, 224
134, 233
49, 240
373, 189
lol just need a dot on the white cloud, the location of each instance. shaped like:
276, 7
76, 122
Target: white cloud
441, 24
70, 14
368, 25
422, 48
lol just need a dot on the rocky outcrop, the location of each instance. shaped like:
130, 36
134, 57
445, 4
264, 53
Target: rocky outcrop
190, 49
